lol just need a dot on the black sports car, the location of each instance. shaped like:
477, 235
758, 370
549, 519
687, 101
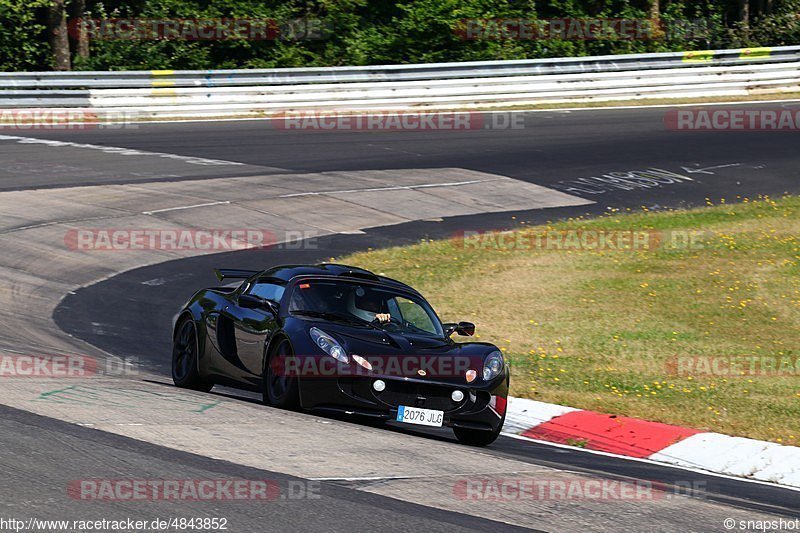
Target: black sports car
340, 339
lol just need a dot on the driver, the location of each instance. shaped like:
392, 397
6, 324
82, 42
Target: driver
368, 305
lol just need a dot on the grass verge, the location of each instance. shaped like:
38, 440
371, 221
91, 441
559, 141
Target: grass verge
603, 329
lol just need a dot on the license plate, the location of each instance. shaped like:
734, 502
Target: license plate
421, 417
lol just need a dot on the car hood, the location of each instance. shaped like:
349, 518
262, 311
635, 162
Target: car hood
392, 354
369, 341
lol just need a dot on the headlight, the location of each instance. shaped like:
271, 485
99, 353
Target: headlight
328, 345
493, 366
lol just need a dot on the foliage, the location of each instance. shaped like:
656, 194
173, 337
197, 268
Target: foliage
362, 32
23, 42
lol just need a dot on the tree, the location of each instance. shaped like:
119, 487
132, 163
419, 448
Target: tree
744, 12
80, 37
655, 10
655, 19
57, 31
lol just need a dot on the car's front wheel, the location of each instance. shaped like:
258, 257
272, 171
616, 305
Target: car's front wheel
185, 352
279, 388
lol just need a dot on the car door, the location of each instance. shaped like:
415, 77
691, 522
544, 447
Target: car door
253, 326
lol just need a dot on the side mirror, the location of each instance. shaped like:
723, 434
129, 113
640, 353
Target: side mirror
465, 329
248, 301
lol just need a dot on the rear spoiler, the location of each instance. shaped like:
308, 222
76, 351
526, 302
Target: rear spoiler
233, 273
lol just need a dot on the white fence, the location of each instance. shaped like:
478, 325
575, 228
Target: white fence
473, 85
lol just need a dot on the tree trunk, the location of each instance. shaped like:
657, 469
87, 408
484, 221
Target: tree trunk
655, 19
744, 12
59, 40
655, 10
764, 7
80, 37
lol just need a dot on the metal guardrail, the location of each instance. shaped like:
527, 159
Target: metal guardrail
434, 86
417, 72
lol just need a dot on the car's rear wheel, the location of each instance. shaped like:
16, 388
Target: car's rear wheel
477, 437
185, 352
278, 388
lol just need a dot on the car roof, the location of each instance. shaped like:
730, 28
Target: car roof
289, 272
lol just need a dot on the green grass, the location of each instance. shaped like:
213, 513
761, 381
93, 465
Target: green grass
597, 329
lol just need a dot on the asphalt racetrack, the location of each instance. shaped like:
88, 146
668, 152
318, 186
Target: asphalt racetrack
553, 165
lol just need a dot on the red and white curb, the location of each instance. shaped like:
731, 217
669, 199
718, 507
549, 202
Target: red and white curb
640, 439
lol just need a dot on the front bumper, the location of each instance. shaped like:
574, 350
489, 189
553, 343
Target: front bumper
483, 407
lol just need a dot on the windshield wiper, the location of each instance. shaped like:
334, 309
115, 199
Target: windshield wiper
327, 315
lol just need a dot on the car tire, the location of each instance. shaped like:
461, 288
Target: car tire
477, 437
279, 390
185, 350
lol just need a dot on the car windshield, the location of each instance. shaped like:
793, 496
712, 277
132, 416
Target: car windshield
363, 302
265, 288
